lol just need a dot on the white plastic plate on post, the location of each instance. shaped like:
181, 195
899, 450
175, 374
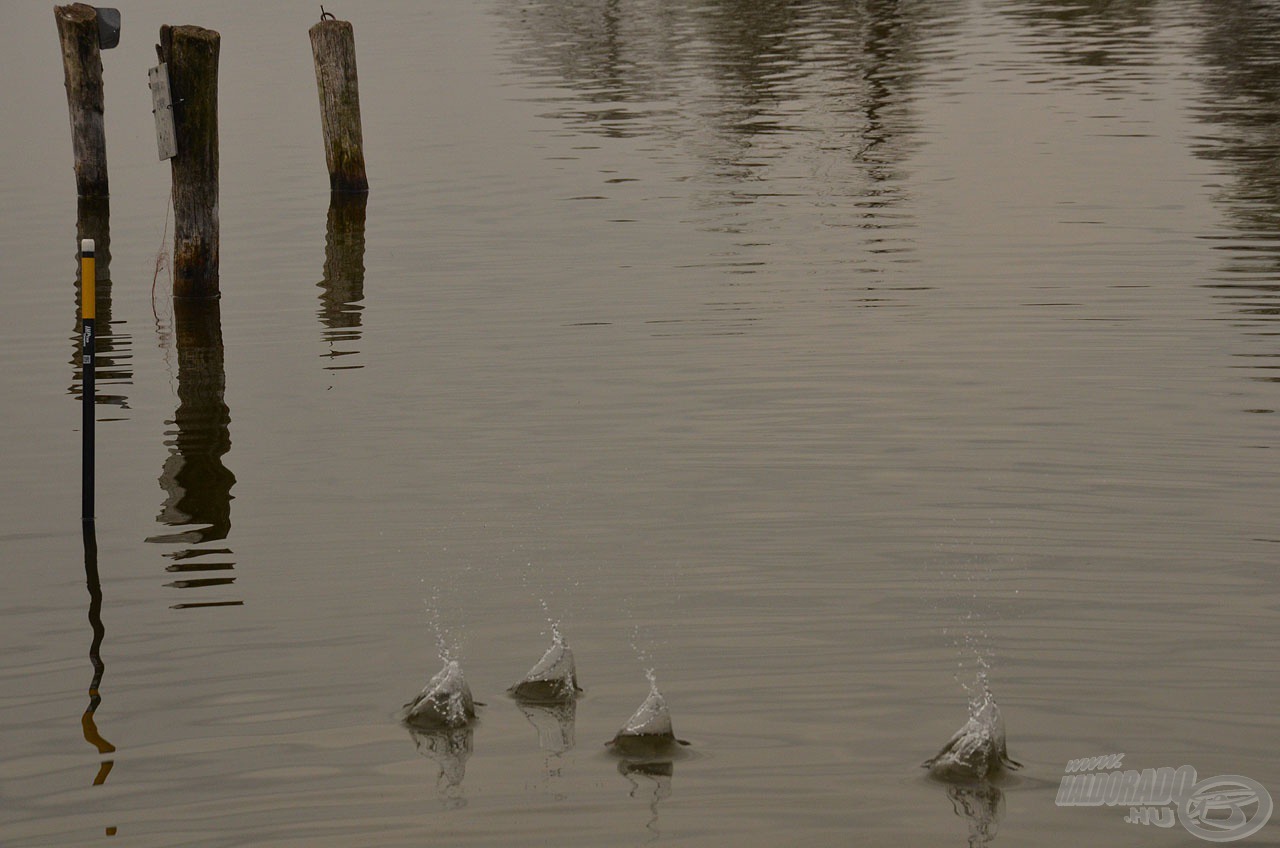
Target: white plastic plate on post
162, 108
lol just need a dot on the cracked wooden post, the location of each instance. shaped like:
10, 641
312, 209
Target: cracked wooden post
191, 54
82, 67
333, 44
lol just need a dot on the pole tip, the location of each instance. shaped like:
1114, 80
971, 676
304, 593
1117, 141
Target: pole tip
86, 246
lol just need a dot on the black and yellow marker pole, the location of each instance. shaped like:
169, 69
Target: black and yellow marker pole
88, 364
88, 341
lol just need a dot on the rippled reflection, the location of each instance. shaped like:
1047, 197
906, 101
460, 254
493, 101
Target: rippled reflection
554, 724
1242, 112
981, 805
449, 748
88, 722
781, 105
342, 288
194, 477
114, 348
1102, 34
650, 782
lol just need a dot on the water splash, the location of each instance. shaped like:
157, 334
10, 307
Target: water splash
448, 644
444, 702
652, 718
975, 654
642, 649
977, 750
554, 678
553, 623
648, 733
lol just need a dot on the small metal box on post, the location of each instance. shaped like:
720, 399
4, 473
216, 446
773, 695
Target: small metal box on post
333, 46
189, 54
108, 28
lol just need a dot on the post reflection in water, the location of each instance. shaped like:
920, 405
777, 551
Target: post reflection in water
1242, 110
773, 101
342, 288
114, 361
88, 725
449, 748
194, 477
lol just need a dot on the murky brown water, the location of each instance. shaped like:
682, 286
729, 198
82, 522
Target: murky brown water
815, 355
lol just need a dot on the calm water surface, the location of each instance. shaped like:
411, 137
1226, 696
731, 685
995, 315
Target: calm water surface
815, 355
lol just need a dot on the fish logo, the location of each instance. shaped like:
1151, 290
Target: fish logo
1215, 808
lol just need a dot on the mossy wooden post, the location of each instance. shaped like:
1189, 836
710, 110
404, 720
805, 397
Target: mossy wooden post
82, 67
333, 44
191, 53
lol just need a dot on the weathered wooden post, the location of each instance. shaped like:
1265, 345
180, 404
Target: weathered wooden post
333, 44
191, 55
82, 67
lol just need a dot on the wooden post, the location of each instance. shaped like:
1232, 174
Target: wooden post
93, 221
82, 67
191, 52
333, 44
